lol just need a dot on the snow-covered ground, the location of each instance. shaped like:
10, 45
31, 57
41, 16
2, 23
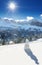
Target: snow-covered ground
17, 55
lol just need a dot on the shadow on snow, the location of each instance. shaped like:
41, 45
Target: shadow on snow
32, 56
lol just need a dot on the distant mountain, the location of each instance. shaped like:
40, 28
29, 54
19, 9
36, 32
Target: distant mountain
6, 23
12, 30
35, 23
32, 22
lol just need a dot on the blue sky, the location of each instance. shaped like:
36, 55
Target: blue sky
26, 8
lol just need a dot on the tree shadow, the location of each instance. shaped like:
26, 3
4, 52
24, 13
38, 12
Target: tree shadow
32, 56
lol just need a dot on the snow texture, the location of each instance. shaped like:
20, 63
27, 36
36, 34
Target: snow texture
19, 54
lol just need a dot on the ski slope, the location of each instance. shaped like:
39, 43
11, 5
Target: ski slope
16, 54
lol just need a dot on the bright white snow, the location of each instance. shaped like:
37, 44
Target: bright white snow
16, 55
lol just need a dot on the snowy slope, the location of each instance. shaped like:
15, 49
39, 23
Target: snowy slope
16, 55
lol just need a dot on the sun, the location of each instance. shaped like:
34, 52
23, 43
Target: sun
12, 6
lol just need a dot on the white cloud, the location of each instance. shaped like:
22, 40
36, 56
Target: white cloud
21, 20
29, 18
40, 15
7, 18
